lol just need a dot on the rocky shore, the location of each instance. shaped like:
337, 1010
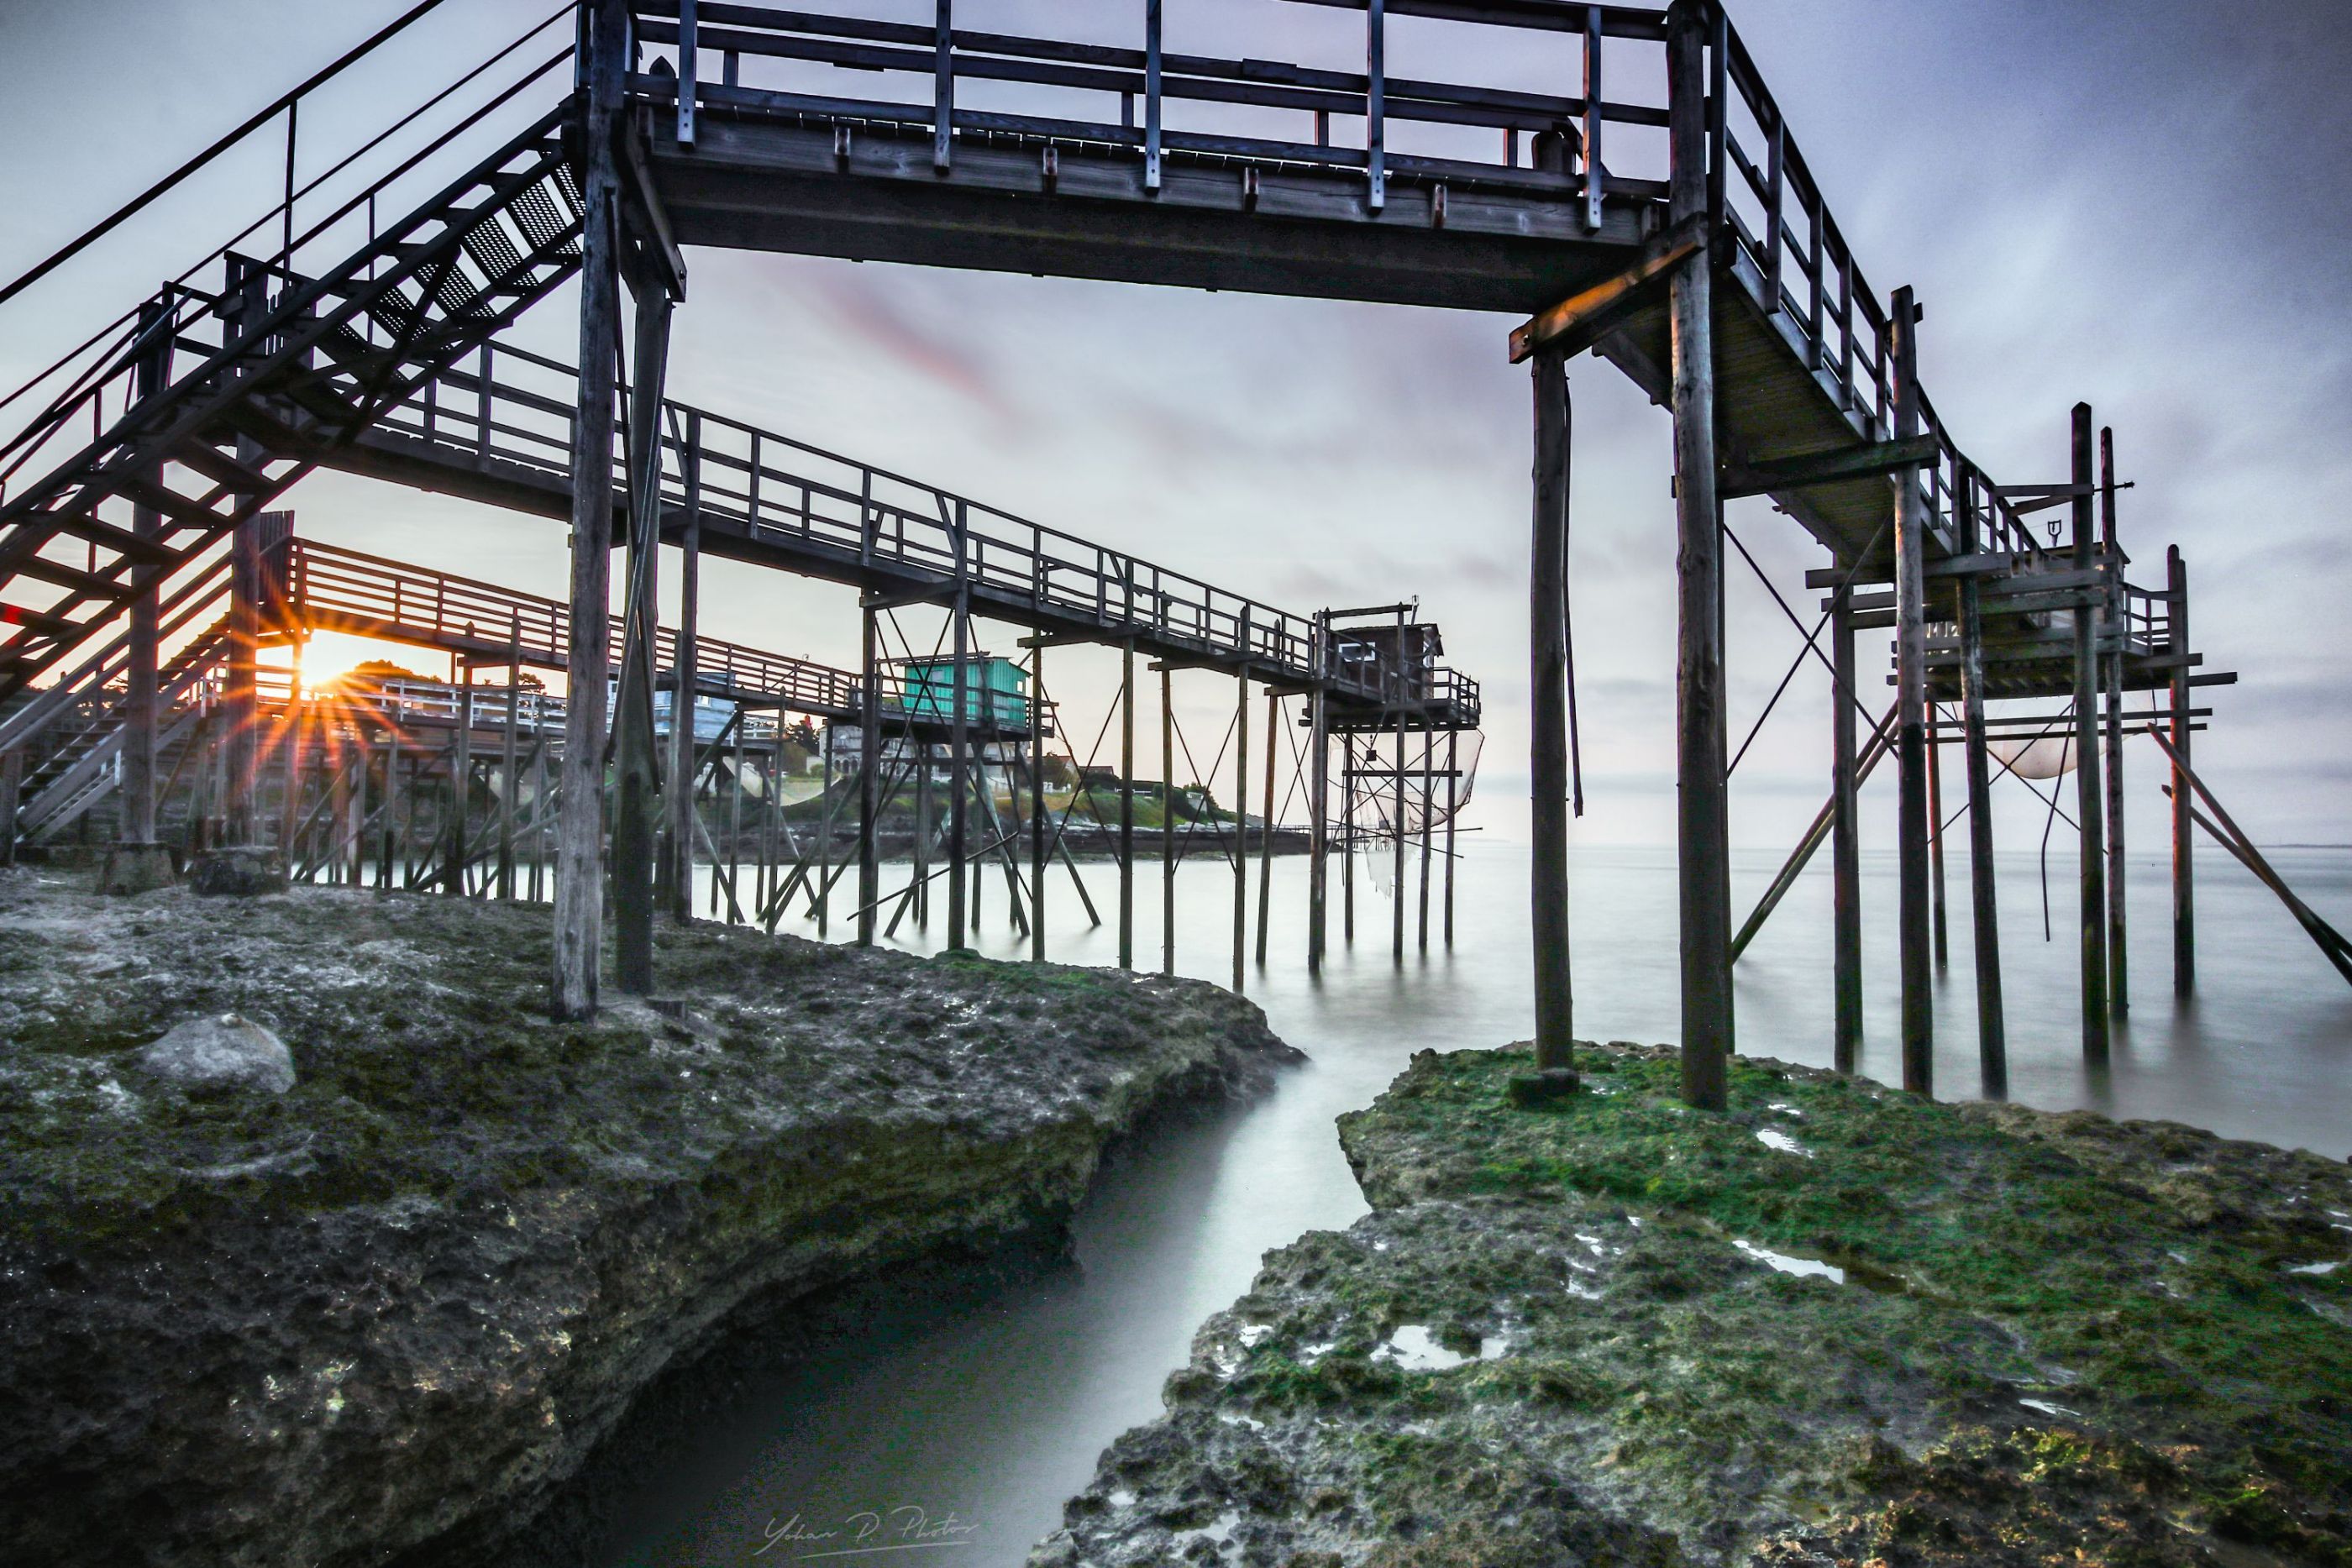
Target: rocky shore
381, 1312
1839, 1325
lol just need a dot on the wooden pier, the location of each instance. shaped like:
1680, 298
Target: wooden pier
1705, 264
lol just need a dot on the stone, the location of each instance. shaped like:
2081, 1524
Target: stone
132, 868
226, 1052
237, 872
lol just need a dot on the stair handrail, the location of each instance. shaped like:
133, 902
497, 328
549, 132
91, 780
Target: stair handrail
38, 715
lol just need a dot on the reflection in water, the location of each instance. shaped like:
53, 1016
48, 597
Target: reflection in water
982, 1418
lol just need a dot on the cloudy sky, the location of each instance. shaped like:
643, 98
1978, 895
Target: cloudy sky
2139, 206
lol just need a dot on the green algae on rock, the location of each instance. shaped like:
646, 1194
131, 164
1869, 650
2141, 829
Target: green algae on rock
385, 1312
1838, 1325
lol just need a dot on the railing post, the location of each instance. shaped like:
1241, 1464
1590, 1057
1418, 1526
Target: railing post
1593, 172
1376, 190
1774, 228
687, 67
943, 88
1151, 96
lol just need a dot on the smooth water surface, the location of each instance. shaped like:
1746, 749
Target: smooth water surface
959, 1432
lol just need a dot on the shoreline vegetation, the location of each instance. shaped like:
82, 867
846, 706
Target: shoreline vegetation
1838, 1325
384, 1314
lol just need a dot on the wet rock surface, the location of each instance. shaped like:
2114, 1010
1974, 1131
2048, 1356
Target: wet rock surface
383, 1315
1835, 1326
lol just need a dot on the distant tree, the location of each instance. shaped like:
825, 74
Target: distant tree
1057, 772
804, 735
375, 672
527, 682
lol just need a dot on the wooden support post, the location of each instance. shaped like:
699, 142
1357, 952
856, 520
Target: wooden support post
1845, 843
1913, 917
677, 839
2111, 666
735, 826
959, 759
11, 794
1167, 815
825, 835
1396, 849
1266, 826
137, 789
1936, 838
1126, 805
2088, 786
924, 839
509, 759
1453, 805
240, 697
869, 780
391, 804
1992, 1038
1241, 824
1318, 785
1428, 796
291, 744
461, 777
540, 824
2184, 870
1547, 713
636, 796
1037, 804
580, 845
1349, 773
1703, 834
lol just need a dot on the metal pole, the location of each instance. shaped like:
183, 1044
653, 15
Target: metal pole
2088, 790
1703, 840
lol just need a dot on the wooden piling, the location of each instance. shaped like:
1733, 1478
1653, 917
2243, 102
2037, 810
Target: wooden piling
1318, 785
1992, 1037
137, 789
677, 871
1266, 826
1396, 824
869, 778
580, 847
1167, 815
1913, 922
2088, 786
1126, 805
824, 834
1845, 842
1936, 837
958, 758
1428, 796
461, 775
1702, 834
2184, 870
1351, 772
2111, 666
1037, 837
509, 759
1241, 824
1548, 713
636, 795
1453, 805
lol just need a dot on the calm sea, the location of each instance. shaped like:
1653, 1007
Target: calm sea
994, 1412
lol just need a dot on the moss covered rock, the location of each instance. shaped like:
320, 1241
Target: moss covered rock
386, 1310
1838, 1325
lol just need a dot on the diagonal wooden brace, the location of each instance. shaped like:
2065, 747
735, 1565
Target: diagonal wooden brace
1582, 320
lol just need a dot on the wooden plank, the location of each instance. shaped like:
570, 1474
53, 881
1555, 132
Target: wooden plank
1838, 466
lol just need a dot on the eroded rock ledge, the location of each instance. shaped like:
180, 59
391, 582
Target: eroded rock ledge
1839, 1325
393, 1305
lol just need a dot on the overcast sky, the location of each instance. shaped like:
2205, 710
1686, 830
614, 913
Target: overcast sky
2139, 206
